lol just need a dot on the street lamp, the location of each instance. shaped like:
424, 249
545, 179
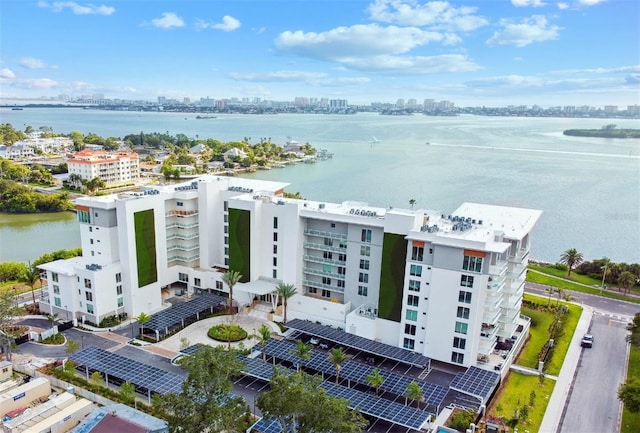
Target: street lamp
67, 311
604, 274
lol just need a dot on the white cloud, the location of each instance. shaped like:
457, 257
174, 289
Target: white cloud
590, 2
524, 3
355, 41
413, 65
437, 14
310, 78
563, 6
35, 83
31, 63
169, 20
7, 73
228, 24
530, 30
77, 9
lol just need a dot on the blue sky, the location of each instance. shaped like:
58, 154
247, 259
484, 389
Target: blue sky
490, 52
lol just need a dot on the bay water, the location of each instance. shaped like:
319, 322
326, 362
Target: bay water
587, 188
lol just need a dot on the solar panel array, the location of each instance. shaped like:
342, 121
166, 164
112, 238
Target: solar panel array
128, 370
360, 343
262, 370
476, 382
387, 410
191, 349
356, 371
263, 426
175, 314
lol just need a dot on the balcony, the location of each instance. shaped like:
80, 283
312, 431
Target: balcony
179, 247
499, 269
323, 247
322, 273
323, 234
183, 236
181, 213
181, 258
319, 285
318, 259
521, 254
489, 331
180, 225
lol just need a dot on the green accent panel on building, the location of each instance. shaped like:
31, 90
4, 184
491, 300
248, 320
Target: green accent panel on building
240, 243
394, 253
144, 225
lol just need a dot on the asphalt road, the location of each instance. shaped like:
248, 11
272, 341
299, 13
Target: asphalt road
593, 405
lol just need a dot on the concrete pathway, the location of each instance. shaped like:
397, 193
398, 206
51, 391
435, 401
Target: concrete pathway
558, 400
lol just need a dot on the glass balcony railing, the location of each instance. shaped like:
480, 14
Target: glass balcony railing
318, 259
331, 235
322, 247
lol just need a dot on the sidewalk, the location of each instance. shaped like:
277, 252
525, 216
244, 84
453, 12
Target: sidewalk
558, 400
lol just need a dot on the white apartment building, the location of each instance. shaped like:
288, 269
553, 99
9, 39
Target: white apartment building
448, 286
113, 168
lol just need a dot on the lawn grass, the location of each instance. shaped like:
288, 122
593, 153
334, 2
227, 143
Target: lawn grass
631, 421
538, 334
550, 280
516, 392
578, 278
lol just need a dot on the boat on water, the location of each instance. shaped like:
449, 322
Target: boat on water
17, 108
205, 117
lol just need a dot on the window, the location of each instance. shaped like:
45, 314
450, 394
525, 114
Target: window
459, 343
183, 277
219, 285
179, 203
226, 218
226, 206
413, 300
87, 283
275, 237
328, 242
120, 302
415, 271
93, 253
226, 240
226, 231
275, 273
414, 285
472, 263
430, 250
466, 280
417, 253
326, 280
362, 290
226, 251
196, 282
333, 225
57, 302
275, 222
342, 257
341, 270
56, 289
275, 249
90, 229
118, 277
464, 297
411, 315
463, 312
91, 241
365, 250
410, 329
326, 293
341, 284
364, 264
409, 343
89, 308
366, 236
54, 277
461, 328
313, 290
84, 217
88, 296
275, 261
343, 244
363, 278
457, 358
327, 255
118, 290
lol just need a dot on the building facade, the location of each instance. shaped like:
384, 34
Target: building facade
448, 286
112, 168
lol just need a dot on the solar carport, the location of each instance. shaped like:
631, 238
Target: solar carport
181, 315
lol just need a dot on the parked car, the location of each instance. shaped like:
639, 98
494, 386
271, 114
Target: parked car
587, 340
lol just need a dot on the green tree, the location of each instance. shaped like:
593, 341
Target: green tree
629, 394
634, 328
264, 334
626, 281
337, 358
205, 403
231, 278
72, 346
97, 379
142, 318
571, 258
31, 276
301, 405
375, 379
414, 392
285, 291
302, 351
128, 393
52, 318
412, 202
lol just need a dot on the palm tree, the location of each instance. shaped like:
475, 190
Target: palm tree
30, 277
75, 180
605, 263
571, 258
626, 280
414, 392
560, 292
264, 334
412, 202
375, 379
286, 291
550, 290
302, 351
337, 358
142, 319
52, 318
231, 278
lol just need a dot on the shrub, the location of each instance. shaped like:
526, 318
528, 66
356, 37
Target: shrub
227, 333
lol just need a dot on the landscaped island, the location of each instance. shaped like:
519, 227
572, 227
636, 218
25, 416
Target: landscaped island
607, 131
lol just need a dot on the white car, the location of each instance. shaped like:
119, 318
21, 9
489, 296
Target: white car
587, 340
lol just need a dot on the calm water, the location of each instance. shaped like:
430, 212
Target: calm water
589, 189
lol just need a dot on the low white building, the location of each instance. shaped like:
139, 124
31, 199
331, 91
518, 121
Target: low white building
113, 168
448, 286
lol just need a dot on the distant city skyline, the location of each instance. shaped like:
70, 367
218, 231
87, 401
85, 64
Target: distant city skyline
473, 53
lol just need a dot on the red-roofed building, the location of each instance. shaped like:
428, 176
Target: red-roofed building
113, 168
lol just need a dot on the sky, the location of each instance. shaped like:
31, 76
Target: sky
473, 53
